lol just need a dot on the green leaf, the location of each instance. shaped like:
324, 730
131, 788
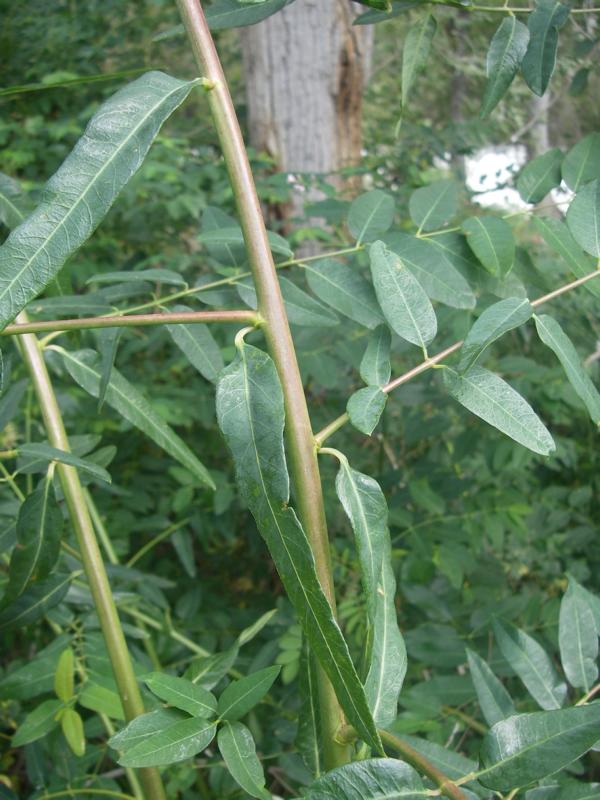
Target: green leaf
252, 630
166, 276
108, 341
11, 211
198, 345
432, 206
528, 747
39, 531
489, 397
373, 779
121, 395
432, 268
415, 52
237, 747
539, 60
495, 321
231, 254
370, 215
242, 695
552, 335
302, 309
101, 700
582, 163
401, 297
72, 728
143, 727
233, 14
64, 677
375, 367
583, 218
182, 694
35, 677
540, 176
308, 738
177, 742
251, 416
345, 290
452, 764
44, 452
38, 723
507, 49
34, 602
365, 407
233, 237
491, 240
78, 196
10, 402
557, 235
578, 638
495, 702
532, 664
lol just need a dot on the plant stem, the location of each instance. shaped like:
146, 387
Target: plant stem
340, 421
90, 553
302, 452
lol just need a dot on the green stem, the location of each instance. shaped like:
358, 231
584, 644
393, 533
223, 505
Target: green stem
88, 546
100, 529
154, 541
302, 452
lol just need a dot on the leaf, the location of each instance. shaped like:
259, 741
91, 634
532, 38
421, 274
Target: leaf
233, 255
37, 724
39, 531
72, 728
373, 779
495, 702
252, 630
232, 14
552, 335
528, 747
370, 215
101, 700
121, 395
375, 367
489, 397
44, 452
11, 212
582, 163
10, 402
302, 309
34, 602
251, 416
198, 345
452, 764
417, 45
539, 60
78, 196
491, 239
401, 297
507, 49
365, 407
345, 290
557, 235
308, 738
578, 638
182, 694
532, 664
540, 176
108, 341
431, 206
242, 695
166, 276
495, 321
64, 677
432, 269
233, 237
237, 747
143, 727
583, 218
177, 742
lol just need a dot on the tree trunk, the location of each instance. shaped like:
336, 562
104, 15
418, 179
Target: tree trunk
305, 68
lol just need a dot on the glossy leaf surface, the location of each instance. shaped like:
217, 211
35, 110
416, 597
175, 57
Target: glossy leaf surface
374, 779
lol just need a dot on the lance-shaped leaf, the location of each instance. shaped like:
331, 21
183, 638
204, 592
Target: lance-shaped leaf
532, 664
539, 60
370, 215
251, 415
242, 695
237, 747
344, 289
528, 747
491, 325
302, 308
540, 175
181, 693
166, 276
582, 163
38, 723
108, 342
583, 218
491, 239
415, 52
199, 347
495, 702
121, 395
78, 196
233, 237
34, 602
37, 452
233, 14
39, 530
365, 408
180, 740
489, 397
578, 638
144, 726
401, 297
374, 779
12, 212
557, 236
551, 333
504, 57
72, 728
432, 206
375, 367
308, 738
